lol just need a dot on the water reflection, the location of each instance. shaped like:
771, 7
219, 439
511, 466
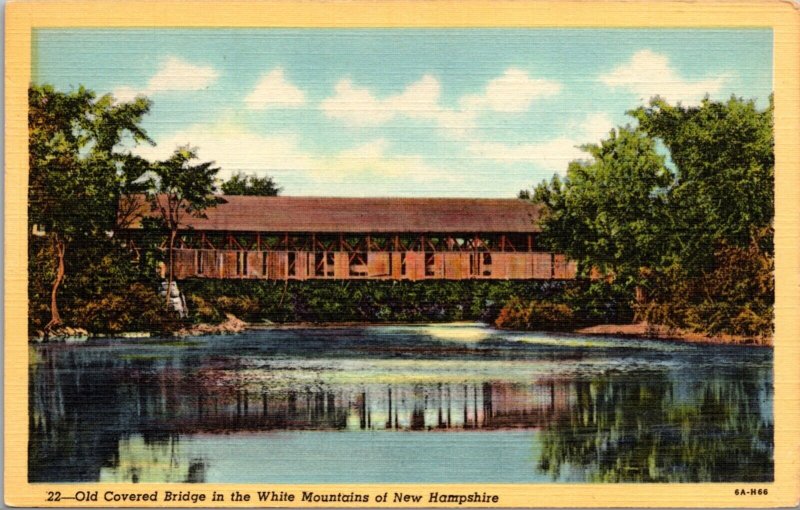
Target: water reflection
148, 411
644, 432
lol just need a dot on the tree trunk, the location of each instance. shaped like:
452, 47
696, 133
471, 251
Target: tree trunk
171, 250
59, 247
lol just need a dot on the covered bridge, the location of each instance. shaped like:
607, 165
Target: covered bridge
365, 238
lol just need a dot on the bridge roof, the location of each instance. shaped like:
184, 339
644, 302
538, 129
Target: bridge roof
366, 215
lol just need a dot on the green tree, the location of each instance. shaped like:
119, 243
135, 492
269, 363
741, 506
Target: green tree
79, 167
724, 174
177, 189
606, 213
693, 231
250, 184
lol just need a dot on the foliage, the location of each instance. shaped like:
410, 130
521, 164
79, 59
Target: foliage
599, 302
678, 231
606, 213
78, 164
41, 273
99, 274
724, 160
135, 308
176, 189
535, 314
359, 301
250, 184
79, 168
735, 296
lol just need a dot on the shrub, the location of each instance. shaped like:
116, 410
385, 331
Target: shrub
137, 308
202, 310
734, 296
535, 315
363, 301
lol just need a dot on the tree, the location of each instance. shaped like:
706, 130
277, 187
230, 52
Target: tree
178, 188
79, 167
724, 173
694, 231
607, 212
250, 184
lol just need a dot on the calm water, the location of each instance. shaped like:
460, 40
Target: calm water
443, 403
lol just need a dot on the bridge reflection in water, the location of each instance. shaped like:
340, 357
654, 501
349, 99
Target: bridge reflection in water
177, 414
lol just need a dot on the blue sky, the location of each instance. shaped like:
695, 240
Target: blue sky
400, 112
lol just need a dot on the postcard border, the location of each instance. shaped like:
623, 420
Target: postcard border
782, 17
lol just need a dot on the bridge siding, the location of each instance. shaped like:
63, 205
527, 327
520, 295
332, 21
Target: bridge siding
447, 266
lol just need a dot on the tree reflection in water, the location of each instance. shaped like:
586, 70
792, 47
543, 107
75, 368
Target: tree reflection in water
619, 431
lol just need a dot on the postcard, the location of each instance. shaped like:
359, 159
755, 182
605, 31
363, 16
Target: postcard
372, 254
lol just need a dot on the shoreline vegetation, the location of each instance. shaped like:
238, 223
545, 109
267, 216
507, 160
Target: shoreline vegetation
669, 220
640, 330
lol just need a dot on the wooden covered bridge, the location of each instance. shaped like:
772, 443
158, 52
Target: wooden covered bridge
366, 238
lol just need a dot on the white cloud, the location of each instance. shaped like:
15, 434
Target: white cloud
370, 162
554, 154
273, 90
512, 92
359, 107
235, 149
593, 127
125, 94
174, 75
649, 74
364, 169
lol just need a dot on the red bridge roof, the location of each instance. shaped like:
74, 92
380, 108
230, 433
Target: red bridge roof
365, 215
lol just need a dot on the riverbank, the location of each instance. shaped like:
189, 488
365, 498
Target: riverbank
232, 325
658, 332
637, 330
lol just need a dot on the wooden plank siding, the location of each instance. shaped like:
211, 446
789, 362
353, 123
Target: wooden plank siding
456, 266
404, 265
276, 265
397, 266
378, 264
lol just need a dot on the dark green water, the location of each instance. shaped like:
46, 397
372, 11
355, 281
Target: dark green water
437, 404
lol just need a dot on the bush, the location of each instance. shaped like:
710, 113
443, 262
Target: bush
203, 311
360, 301
735, 296
535, 315
137, 308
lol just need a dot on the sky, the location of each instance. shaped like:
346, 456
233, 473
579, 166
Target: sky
399, 112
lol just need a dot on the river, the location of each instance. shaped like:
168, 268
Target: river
453, 403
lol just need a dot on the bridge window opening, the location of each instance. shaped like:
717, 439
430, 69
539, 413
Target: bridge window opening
358, 264
487, 264
329, 262
516, 242
430, 261
292, 261
391, 257
319, 263
403, 264
199, 261
264, 263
